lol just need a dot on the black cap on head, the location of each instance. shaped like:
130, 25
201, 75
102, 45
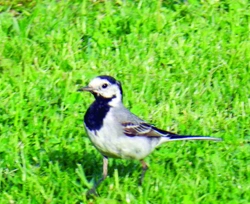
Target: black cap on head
108, 78
111, 80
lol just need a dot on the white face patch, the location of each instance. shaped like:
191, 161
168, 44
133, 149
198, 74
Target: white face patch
104, 88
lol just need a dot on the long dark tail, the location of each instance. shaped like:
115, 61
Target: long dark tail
191, 137
169, 136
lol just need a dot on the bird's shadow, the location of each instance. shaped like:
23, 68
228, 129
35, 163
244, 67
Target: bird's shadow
91, 162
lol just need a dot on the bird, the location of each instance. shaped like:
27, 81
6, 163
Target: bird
116, 132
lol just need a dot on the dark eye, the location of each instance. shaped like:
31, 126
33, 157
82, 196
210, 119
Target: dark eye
104, 86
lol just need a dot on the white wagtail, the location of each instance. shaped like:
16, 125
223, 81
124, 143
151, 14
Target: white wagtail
118, 133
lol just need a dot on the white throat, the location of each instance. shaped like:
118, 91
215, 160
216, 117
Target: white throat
117, 101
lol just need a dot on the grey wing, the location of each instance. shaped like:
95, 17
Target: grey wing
134, 126
143, 129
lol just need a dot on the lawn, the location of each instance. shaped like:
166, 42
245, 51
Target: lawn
184, 66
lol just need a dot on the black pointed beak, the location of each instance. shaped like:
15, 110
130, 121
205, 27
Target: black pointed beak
85, 88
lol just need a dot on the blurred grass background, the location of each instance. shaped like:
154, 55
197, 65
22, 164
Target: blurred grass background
184, 66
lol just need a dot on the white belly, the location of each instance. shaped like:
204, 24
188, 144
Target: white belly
123, 146
111, 142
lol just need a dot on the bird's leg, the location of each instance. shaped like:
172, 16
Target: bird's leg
105, 168
104, 171
144, 169
104, 176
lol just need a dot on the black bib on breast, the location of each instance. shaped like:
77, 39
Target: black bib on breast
96, 113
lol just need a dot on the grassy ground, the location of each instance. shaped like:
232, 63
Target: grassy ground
184, 67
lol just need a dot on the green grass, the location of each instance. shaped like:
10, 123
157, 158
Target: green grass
184, 67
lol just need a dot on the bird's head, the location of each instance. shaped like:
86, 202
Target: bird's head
105, 88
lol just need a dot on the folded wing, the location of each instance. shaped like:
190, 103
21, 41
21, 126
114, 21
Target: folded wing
143, 129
